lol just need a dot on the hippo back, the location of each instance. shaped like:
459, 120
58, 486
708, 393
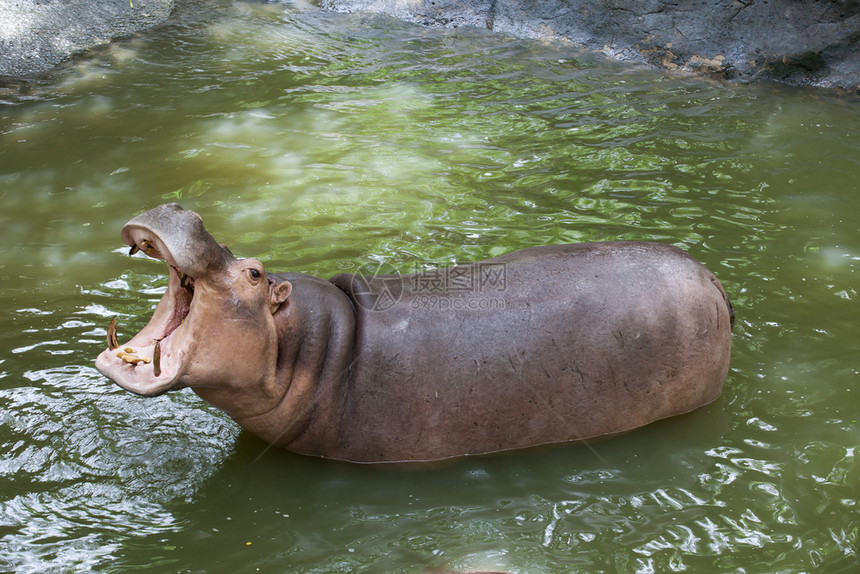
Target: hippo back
543, 345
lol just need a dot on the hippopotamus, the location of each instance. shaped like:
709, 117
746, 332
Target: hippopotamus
549, 344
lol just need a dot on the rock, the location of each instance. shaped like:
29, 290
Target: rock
36, 35
798, 42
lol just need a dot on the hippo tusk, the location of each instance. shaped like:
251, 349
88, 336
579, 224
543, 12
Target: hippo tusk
156, 358
111, 335
150, 249
134, 249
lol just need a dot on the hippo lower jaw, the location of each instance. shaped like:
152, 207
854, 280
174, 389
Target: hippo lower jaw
149, 363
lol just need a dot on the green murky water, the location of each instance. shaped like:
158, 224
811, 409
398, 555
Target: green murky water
321, 142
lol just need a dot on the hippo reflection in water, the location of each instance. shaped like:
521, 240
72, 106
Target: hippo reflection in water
545, 345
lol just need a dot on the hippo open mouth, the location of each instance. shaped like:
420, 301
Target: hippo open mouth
150, 363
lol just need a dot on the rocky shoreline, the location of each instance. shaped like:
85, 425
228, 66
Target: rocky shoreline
798, 42
37, 35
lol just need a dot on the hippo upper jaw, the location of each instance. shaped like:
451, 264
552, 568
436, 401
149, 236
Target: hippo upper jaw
178, 237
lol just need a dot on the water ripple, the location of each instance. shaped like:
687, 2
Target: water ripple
322, 142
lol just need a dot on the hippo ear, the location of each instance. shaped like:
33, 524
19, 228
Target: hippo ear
278, 293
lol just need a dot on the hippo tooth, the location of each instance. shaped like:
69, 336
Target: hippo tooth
111, 335
156, 358
134, 249
185, 280
150, 249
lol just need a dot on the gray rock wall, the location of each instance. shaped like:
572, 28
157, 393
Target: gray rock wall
801, 42
36, 35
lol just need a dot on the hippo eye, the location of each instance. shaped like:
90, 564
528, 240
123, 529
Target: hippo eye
255, 273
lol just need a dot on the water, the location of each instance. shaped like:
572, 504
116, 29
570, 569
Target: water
322, 142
